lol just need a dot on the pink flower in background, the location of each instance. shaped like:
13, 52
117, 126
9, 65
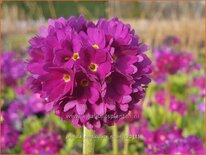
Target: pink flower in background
140, 129
160, 97
199, 82
158, 77
23, 106
18, 110
9, 135
150, 137
12, 68
84, 70
188, 145
168, 60
175, 105
44, 142
201, 107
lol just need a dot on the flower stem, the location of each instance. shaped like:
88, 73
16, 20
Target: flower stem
114, 139
88, 141
168, 98
126, 138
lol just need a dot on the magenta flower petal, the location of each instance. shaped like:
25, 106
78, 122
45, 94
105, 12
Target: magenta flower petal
81, 108
70, 105
100, 108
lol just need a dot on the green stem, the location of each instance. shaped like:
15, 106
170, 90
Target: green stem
115, 139
88, 141
147, 98
126, 138
168, 95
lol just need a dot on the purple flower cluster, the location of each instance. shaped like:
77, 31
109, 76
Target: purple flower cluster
84, 70
44, 142
188, 145
199, 82
12, 68
169, 61
163, 133
167, 139
9, 135
201, 107
23, 107
175, 105
18, 110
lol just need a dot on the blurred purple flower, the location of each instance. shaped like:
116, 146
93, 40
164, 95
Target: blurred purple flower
44, 142
160, 97
188, 145
201, 107
166, 60
9, 135
175, 105
164, 133
150, 137
12, 68
199, 82
170, 61
18, 110
25, 106
140, 128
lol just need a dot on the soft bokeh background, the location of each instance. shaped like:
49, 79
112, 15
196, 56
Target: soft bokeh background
153, 22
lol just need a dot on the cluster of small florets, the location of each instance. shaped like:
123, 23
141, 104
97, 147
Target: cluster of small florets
44, 142
84, 70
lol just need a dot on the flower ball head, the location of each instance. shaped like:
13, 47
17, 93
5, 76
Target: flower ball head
89, 74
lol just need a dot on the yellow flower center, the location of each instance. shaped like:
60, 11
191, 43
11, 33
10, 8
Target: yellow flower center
66, 58
95, 46
114, 58
66, 78
75, 56
162, 137
108, 79
93, 67
1, 118
84, 83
